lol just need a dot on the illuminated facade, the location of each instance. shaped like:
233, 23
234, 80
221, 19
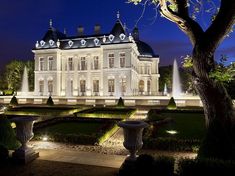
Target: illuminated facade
111, 64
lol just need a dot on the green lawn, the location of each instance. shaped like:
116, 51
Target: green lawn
73, 128
187, 125
42, 110
118, 113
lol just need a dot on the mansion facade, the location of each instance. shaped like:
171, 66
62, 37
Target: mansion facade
111, 64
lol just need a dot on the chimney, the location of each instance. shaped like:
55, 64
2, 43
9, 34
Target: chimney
80, 31
97, 29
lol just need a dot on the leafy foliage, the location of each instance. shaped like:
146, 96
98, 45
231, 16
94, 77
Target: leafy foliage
7, 134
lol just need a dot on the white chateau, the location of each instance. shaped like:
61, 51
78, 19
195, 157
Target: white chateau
111, 64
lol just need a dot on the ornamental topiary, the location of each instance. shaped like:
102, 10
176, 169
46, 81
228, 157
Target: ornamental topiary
13, 101
120, 102
171, 105
50, 101
7, 134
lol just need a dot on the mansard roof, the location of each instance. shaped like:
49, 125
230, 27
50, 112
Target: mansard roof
118, 35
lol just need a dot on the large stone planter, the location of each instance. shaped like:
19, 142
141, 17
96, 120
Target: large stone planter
24, 132
133, 136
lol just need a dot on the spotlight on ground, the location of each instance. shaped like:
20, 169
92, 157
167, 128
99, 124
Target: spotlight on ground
171, 132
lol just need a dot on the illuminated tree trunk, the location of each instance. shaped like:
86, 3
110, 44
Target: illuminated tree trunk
219, 141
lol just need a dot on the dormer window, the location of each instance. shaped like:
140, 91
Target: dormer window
96, 41
111, 37
51, 42
122, 36
42, 43
70, 42
83, 42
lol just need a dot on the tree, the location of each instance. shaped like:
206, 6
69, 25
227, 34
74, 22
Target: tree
218, 108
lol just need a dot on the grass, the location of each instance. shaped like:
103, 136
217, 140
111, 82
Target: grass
42, 110
73, 128
118, 113
188, 125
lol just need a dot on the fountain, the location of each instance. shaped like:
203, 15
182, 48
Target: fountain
25, 83
176, 86
165, 90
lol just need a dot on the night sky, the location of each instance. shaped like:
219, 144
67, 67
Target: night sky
23, 22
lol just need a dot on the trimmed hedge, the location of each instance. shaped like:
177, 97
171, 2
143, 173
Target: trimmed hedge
189, 167
120, 103
50, 101
171, 144
149, 166
14, 101
171, 105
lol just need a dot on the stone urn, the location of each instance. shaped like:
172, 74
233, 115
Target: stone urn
24, 132
133, 136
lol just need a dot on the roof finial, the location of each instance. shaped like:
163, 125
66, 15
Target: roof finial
118, 14
50, 23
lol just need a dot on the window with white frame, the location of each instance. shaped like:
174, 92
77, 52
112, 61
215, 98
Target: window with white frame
41, 86
123, 85
96, 62
122, 59
41, 64
83, 63
111, 60
50, 86
70, 63
83, 86
71, 87
50, 63
95, 85
111, 85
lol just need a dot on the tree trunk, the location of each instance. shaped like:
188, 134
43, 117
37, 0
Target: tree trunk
219, 141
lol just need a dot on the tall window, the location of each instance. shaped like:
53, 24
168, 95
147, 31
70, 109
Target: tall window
50, 63
50, 86
122, 59
41, 86
71, 87
70, 63
83, 63
148, 86
123, 85
83, 86
141, 86
41, 64
111, 60
95, 85
111, 85
96, 62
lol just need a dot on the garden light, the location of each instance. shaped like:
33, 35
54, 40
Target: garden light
45, 138
171, 131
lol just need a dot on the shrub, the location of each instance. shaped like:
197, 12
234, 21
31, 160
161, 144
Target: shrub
120, 103
171, 144
50, 101
7, 134
206, 167
8, 92
13, 101
147, 165
171, 105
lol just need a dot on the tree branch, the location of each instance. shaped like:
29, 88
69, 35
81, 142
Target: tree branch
222, 25
182, 19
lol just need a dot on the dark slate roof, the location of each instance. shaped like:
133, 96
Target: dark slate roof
118, 28
144, 49
55, 39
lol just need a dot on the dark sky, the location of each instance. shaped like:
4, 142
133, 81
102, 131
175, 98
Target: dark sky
23, 22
